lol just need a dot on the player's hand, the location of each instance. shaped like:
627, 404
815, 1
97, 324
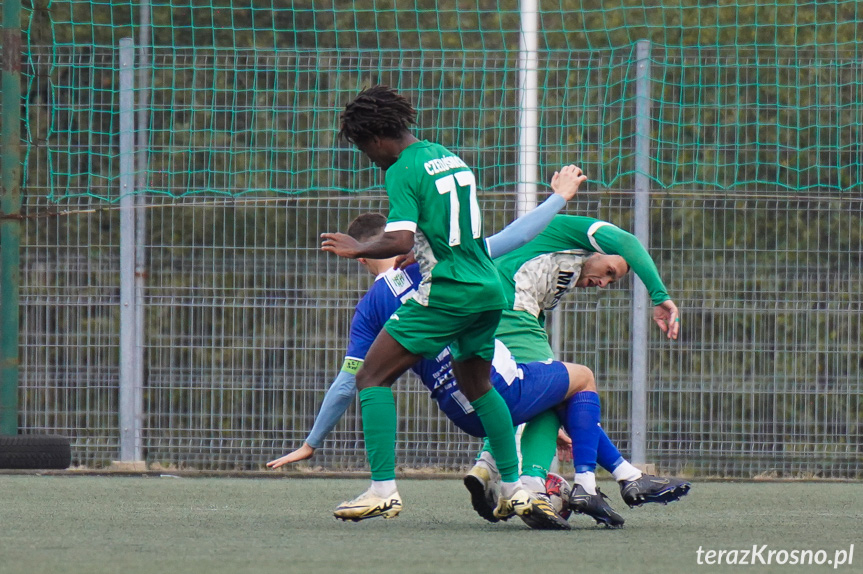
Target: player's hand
566, 181
341, 244
301, 453
405, 261
666, 316
564, 447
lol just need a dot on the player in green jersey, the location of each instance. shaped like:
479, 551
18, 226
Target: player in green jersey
574, 252
434, 211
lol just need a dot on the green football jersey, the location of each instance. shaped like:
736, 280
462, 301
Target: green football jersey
537, 275
432, 192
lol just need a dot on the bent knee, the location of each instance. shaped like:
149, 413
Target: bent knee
366, 379
370, 378
580, 379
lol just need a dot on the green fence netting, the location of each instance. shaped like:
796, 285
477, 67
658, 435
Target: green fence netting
244, 97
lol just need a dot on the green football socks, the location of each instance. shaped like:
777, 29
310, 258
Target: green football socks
378, 408
539, 444
497, 422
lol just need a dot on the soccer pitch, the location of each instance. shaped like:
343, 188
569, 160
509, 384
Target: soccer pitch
97, 524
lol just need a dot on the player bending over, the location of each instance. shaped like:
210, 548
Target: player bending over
527, 389
573, 252
433, 210
527, 396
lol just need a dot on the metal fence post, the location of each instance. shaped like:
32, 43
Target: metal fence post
130, 418
528, 132
10, 209
640, 302
141, 183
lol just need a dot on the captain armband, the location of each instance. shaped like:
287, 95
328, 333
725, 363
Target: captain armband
352, 365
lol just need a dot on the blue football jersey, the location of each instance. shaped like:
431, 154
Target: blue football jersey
390, 290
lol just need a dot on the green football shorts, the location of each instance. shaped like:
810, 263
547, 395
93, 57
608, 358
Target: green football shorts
427, 331
524, 336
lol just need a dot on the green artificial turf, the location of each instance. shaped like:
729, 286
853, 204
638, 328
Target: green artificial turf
90, 524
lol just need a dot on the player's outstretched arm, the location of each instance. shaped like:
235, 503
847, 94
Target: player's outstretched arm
565, 184
610, 239
337, 399
665, 313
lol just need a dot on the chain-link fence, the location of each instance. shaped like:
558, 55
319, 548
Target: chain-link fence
245, 319
246, 324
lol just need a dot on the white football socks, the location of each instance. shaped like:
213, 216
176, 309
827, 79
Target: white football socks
626, 471
485, 457
383, 488
533, 483
507, 489
587, 480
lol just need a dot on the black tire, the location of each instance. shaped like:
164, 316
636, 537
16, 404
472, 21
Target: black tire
34, 452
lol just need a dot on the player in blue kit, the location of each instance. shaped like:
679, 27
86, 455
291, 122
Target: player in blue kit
527, 389
393, 285
574, 252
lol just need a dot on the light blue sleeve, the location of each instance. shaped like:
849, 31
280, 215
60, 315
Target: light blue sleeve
525, 228
338, 398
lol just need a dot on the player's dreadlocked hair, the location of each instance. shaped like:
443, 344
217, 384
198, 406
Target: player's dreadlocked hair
377, 112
